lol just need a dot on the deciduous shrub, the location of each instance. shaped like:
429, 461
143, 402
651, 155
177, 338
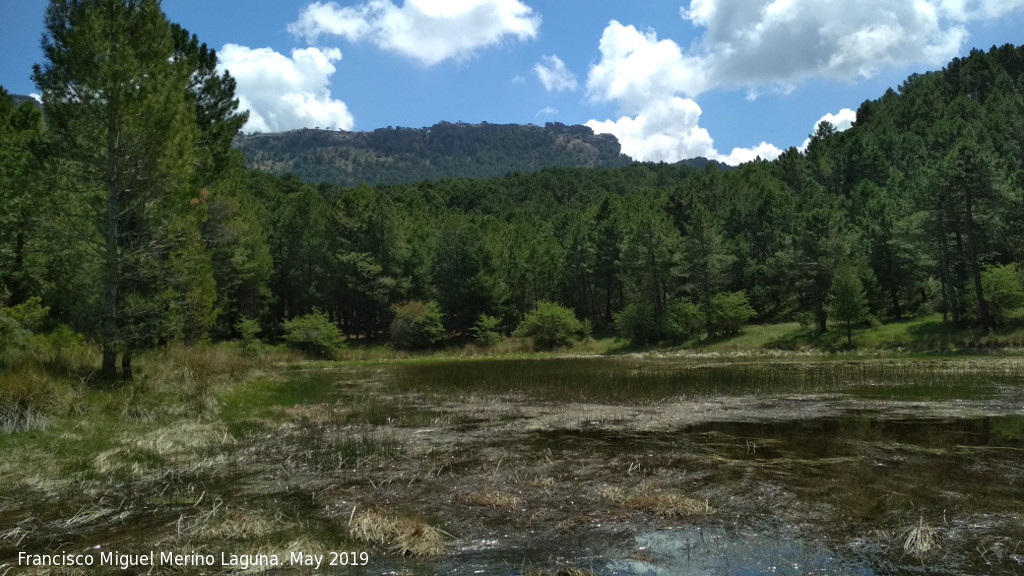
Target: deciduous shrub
729, 312
550, 325
683, 319
1003, 291
417, 325
637, 322
314, 335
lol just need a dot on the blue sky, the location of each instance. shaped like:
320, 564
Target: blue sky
726, 79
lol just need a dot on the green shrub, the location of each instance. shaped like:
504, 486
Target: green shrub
729, 312
550, 325
248, 329
487, 331
683, 319
417, 325
637, 322
1003, 290
18, 325
807, 320
314, 335
66, 352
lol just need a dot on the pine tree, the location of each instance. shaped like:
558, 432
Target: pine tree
124, 130
847, 300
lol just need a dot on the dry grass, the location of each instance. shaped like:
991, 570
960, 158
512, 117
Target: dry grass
493, 499
403, 536
544, 482
921, 539
29, 398
656, 501
232, 523
177, 446
561, 571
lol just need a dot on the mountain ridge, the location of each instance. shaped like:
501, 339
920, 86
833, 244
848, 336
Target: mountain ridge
398, 155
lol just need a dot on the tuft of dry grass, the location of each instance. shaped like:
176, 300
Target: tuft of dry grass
493, 499
656, 501
401, 535
28, 398
233, 523
179, 445
921, 539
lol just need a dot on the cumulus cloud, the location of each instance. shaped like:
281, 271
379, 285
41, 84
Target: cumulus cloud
648, 78
842, 120
637, 68
764, 46
665, 131
554, 75
968, 10
783, 42
284, 93
669, 131
429, 31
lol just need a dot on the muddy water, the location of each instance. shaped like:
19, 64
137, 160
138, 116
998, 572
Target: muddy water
812, 468
529, 467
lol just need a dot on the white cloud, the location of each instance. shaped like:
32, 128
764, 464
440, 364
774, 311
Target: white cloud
430, 31
842, 120
670, 131
554, 75
283, 93
636, 68
764, 151
663, 132
546, 111
780, 43
967, 10
646, 77
764, 46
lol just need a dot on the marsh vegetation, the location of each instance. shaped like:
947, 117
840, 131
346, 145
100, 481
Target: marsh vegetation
701, 464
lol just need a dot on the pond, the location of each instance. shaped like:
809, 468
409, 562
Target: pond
812, 467
571, 466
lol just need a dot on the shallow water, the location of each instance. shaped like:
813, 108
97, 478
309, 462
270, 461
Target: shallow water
832, 487
811, 467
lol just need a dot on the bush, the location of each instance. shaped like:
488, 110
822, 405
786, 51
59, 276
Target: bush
19, 323
637, 322
683, 319
248, 329
314, 335
729, 312
417, 325
487, 331
807, 320
550, 325
1003, 290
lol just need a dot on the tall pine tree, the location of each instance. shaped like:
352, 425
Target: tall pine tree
123, 134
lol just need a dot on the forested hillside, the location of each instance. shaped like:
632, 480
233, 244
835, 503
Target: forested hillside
136, 233
918, 207
405, 155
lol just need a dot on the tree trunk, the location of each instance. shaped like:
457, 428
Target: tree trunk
948, 288
19, 293
972, 248
111, 268
126, 366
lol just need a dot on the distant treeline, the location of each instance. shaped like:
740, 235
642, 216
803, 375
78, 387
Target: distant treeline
917, 208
